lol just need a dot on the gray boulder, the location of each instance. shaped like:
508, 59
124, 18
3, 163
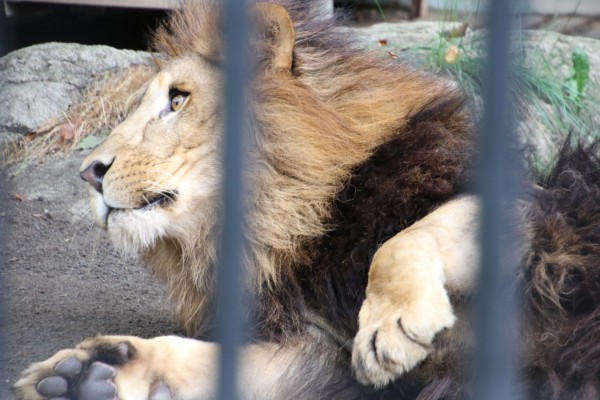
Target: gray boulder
40, 82
541, 128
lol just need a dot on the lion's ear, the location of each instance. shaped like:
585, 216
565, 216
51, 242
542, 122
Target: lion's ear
275, 36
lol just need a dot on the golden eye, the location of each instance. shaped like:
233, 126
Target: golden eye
177, 99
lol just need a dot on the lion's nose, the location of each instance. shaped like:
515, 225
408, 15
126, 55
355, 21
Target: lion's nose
94, 174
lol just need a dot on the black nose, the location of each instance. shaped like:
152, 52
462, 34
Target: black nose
94, 174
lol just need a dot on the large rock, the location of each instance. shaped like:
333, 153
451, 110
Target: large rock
419, 37
40, 82
546, 51
541, 128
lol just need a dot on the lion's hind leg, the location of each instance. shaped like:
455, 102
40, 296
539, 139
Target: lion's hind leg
407, 301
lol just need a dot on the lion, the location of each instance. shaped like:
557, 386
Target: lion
362, 249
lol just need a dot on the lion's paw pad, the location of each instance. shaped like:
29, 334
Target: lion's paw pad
388, 347
96, 385
53, 386
84, 373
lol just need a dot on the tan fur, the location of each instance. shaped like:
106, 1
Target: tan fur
407, 302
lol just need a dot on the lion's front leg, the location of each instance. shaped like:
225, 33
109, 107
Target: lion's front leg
175, 368
407, 301
124, 367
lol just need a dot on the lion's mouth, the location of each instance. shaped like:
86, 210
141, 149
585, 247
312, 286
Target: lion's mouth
159, 200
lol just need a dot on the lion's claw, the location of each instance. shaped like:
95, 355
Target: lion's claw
86, 372
96, 385
390, 343
57, 385
161, 392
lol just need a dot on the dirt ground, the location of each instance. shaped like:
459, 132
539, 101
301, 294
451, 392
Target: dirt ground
63, 281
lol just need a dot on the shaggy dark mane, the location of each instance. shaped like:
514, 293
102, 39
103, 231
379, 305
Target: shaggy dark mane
192, 29
562, 279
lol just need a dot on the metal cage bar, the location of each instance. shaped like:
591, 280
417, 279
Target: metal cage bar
230, 273
5, 45
496, 304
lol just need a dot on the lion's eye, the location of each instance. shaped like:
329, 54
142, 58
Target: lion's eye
177, 99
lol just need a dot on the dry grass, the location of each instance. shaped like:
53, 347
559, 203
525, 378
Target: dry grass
104, 105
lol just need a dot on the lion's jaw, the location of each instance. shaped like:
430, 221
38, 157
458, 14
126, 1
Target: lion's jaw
163, 171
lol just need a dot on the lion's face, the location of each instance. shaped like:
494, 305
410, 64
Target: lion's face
160, 168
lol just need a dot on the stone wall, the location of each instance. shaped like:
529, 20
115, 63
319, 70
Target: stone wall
41, 82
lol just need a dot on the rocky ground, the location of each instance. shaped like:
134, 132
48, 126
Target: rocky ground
62, 281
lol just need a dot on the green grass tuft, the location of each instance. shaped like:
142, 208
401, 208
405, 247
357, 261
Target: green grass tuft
549, 107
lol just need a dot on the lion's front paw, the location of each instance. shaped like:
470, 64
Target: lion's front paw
391, 342
87, 372
70, 374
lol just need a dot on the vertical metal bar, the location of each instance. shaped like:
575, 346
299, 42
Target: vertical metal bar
4, 294
230, 280
497, 316
5, 47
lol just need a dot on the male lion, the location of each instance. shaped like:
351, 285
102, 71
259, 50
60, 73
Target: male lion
359, 237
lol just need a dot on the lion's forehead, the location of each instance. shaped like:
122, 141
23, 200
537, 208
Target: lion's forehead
193, 71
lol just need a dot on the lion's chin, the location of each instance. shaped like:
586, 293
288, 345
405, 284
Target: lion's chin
137, 230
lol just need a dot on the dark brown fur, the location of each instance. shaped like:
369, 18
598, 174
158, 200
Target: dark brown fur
562, 280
